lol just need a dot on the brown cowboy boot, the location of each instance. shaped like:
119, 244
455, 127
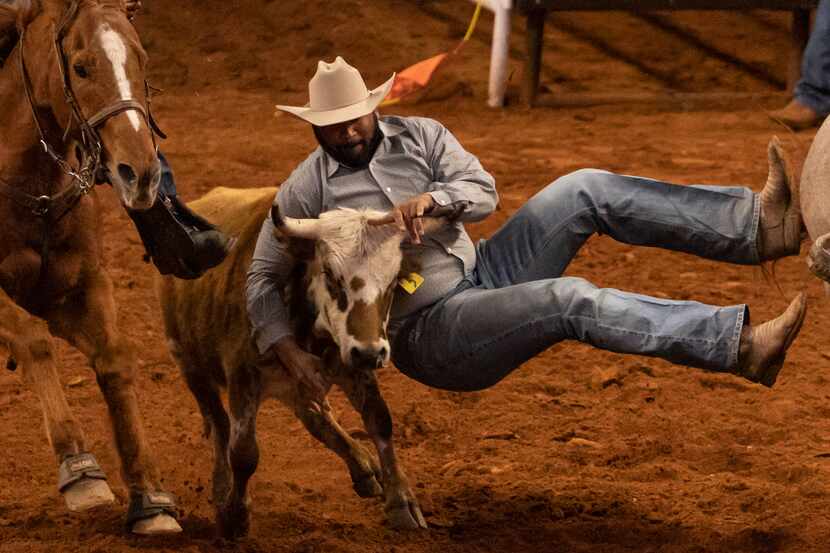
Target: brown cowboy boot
763, 348
797, 116
780, 224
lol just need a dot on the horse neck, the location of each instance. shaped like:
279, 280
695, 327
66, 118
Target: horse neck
23, 163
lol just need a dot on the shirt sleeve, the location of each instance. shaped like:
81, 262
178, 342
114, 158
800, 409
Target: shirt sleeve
461, 187
273, 262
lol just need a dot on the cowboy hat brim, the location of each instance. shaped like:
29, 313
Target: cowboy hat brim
345, 113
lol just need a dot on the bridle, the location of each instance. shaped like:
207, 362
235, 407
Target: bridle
52, 208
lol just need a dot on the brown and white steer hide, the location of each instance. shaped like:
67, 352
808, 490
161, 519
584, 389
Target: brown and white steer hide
339, 299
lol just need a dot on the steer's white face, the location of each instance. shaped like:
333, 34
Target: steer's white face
351, 281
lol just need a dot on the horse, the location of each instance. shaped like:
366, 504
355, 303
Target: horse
73, 112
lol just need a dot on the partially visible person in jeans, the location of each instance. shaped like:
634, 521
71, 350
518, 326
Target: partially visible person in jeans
176, 240
811, 100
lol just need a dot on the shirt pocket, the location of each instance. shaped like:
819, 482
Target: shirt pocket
402, 176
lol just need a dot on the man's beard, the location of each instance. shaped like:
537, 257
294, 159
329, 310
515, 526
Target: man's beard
345, 155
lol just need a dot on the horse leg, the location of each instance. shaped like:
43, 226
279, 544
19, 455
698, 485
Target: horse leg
363, 468
400, 504
233, 515
87, 321
30, 344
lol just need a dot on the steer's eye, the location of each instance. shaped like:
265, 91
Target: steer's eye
80, 70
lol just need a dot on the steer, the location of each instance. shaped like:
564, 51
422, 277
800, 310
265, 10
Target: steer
338, 298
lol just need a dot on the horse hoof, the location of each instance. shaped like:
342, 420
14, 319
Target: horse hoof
368, 487
154, 526
88, 493
406, 516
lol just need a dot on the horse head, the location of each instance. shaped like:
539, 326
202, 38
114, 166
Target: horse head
87, 53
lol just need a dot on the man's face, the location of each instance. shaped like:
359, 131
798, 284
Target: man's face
351, 143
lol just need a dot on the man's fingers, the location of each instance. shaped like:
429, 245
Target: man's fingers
399, 220
413, 233
419, 227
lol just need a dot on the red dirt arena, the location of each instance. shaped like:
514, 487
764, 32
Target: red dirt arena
578, 450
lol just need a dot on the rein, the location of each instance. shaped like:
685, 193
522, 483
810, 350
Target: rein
52, 208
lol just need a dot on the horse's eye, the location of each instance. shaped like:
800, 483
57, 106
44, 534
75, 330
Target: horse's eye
80, 70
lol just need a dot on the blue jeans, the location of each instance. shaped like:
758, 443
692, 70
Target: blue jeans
516, 304
813, 89
167, 185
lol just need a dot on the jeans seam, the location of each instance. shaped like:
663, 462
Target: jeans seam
753, 231
734, 349
504, 335
635, 333
549, 238
497, 339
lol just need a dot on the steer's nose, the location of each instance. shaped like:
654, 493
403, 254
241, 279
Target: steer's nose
368, 358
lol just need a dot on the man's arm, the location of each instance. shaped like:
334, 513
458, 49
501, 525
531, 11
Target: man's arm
268, 274
461, 188
269, 271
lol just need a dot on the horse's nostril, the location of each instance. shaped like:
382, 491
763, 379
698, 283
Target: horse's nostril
382, 354
126, 173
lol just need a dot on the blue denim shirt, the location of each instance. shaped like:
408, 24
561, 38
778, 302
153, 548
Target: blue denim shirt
416, 156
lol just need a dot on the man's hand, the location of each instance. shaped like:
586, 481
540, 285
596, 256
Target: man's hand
133, 6
409, 215
303, 366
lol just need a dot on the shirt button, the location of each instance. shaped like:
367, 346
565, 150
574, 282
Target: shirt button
388, 189
449, 250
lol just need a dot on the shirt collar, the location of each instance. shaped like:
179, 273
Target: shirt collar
387, 129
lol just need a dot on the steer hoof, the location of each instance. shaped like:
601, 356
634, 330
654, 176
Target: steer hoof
88, 493
159, 524
405, 516
368, 486
233, 521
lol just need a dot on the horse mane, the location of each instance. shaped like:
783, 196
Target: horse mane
15, 15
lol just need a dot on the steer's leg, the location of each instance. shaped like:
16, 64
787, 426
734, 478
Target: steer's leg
87, 321
197, 374
401, 506
319, 422
244, 387
30, 345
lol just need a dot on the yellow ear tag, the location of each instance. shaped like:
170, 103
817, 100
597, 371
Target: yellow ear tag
411, 282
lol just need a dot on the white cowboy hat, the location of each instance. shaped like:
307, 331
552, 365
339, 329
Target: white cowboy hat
337, 93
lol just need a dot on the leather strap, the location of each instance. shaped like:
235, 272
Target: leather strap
77, 467
114, 109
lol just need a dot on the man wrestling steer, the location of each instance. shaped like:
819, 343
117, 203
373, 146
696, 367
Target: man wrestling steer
471, 314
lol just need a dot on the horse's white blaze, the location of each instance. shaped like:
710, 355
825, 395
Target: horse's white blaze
117, 55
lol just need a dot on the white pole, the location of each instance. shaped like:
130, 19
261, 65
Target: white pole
499, 53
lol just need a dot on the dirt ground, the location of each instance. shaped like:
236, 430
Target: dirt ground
578, 450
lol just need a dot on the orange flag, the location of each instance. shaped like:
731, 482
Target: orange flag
416, 77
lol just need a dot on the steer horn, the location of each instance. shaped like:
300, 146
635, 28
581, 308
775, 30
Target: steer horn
431, 223
295, 228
